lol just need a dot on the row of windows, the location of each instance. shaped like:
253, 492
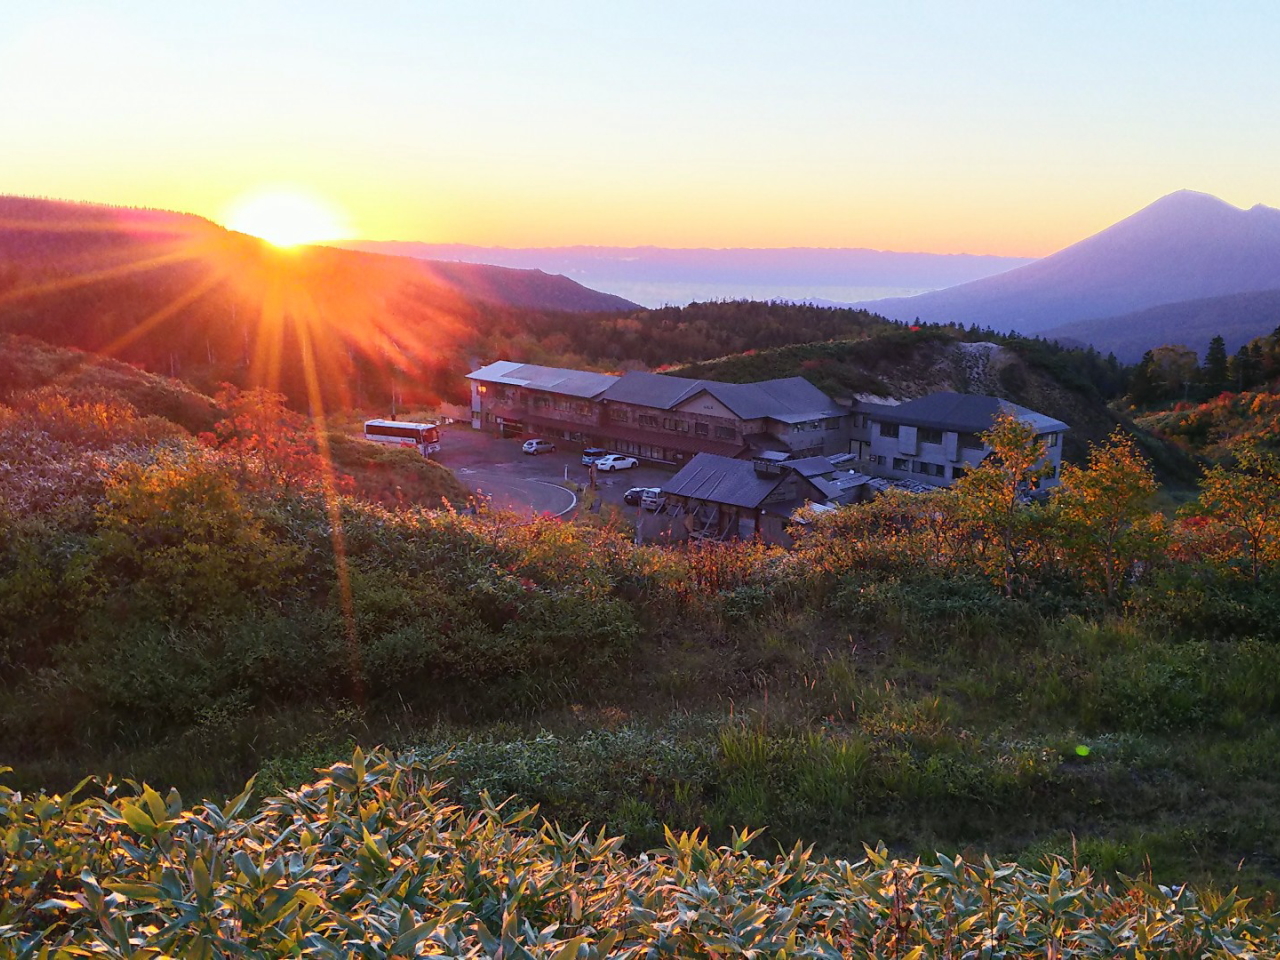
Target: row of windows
648, 451
831, 423
676, 425
924, 468
560, 404
929, 434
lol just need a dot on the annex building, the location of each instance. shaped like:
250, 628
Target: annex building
936, 438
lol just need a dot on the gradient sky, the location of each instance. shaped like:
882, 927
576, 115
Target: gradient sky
985, 127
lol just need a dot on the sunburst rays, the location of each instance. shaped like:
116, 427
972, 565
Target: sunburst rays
307, 310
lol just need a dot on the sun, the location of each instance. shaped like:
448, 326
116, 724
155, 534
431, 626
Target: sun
286, 217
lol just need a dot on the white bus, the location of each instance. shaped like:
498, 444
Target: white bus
423, 437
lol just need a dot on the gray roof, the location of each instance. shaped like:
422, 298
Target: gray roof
651, 389
790, 400
570, 383
811, 466
961, 412
722, 480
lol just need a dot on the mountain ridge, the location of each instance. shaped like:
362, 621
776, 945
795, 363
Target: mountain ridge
1184, 246
657, 275
62, 234
1237, 317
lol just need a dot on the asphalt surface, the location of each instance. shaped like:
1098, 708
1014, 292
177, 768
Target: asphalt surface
533, 485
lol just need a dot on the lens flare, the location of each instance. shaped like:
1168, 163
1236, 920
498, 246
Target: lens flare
286, 218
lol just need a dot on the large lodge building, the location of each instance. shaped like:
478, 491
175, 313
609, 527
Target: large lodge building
931, 440
656, 417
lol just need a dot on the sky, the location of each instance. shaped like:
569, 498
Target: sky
1007, 128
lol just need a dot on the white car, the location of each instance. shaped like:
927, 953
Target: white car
616, 461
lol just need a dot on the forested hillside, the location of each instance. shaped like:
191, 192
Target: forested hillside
896, 361
1208, 408
1238, 319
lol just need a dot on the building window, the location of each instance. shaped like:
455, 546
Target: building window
670, 423
889, 430
726, 433
1051, 440
833, 423
928, 469
901, 464
701, 430
619, 414
647, 420
929, 435
958, 472
971, 441
1051, 472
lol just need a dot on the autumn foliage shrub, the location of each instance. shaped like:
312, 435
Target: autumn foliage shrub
371, 861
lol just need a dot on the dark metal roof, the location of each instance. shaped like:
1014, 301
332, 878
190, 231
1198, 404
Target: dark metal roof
811, 466
961, 412
569, 383
791, 399
722, 480
651, 389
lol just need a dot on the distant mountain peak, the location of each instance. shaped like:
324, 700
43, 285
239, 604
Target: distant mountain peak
1187, 245
1186, 195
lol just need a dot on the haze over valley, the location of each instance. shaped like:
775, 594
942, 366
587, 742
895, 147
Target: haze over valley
655, 276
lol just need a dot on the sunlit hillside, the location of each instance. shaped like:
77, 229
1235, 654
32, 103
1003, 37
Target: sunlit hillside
934, 672
187, 298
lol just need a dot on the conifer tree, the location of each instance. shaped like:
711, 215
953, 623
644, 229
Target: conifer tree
1214, 372
1144, 386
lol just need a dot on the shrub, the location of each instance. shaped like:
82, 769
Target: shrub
370, 859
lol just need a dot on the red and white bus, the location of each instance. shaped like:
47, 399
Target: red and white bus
423, 437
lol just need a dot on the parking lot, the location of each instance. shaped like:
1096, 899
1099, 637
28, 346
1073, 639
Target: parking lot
533, 485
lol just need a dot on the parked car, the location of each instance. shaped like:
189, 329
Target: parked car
616, 461
591, 454
633, 496
536, 447
653, 499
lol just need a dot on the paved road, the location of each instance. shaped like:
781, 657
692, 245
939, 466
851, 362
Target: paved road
524, 495
532, 485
